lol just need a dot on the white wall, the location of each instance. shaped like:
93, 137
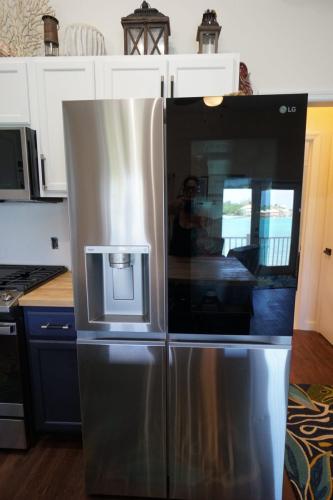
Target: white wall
287, 44
26, 229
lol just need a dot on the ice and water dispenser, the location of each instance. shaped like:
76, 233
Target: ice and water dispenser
117, 284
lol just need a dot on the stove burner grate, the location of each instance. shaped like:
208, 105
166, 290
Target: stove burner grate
25, 278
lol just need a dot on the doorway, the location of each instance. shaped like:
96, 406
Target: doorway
314, 302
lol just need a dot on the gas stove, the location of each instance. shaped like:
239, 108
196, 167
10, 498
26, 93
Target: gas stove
15, 280
15, 403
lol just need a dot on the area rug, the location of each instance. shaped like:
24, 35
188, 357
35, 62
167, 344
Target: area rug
309, 443
276, 281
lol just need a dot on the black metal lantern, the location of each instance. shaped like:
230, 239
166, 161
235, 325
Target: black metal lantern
208, 33
146, 31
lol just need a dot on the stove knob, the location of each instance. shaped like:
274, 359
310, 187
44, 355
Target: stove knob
6, 296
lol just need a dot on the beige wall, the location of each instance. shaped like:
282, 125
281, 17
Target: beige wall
318, 162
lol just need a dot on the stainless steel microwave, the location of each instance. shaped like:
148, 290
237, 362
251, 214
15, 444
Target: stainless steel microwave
19, 175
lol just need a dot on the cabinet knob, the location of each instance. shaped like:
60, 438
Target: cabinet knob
328, 251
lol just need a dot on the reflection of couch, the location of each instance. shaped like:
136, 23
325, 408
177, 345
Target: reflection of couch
248, 255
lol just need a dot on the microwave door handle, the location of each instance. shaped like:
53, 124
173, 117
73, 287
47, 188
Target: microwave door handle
43, 159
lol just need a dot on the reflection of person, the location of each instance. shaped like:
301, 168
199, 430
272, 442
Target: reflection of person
188, 231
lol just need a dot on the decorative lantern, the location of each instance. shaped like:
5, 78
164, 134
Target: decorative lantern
208, 33
146, 31
51, 43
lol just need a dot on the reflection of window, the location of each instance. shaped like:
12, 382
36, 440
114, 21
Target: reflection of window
237, 201
277, 202
236, 220
276, 215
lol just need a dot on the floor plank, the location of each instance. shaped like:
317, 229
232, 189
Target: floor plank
312, 359
53, 469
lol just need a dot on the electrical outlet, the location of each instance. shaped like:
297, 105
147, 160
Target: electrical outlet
54, 243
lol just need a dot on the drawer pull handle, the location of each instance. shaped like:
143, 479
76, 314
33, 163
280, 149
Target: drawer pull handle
53, 326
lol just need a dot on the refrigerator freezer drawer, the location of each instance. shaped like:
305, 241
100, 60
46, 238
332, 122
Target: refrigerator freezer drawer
122, 389
227, 421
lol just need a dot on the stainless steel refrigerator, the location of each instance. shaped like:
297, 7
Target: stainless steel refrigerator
184, 329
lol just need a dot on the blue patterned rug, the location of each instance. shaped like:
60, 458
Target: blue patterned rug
309, 443
278, 281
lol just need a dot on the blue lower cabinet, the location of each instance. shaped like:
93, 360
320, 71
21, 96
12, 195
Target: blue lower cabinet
53, 369
55, 385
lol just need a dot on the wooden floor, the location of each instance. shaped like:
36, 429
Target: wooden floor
53, 469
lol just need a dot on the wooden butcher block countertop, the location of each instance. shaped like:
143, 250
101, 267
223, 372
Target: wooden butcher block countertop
57, 292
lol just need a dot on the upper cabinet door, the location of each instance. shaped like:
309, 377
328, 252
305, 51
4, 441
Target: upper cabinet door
203, 75
57, 81
131, 77
14, 101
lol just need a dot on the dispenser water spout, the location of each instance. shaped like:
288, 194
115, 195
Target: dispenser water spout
119, 260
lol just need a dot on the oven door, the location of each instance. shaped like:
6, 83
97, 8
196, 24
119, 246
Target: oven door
14, 165
12, 427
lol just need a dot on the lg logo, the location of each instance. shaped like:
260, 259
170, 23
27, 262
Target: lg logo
287, 109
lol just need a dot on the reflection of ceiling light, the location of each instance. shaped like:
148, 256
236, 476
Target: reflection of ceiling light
212, 101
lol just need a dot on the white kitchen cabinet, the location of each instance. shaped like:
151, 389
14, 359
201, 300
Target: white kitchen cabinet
203, 75
64, 79
131, 76
166, 75
14, 97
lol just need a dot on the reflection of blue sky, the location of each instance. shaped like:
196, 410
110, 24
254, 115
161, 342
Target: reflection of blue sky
281, 197
237, 195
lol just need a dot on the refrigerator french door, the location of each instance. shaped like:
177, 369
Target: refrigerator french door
116, 203
234, 178
184, 290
